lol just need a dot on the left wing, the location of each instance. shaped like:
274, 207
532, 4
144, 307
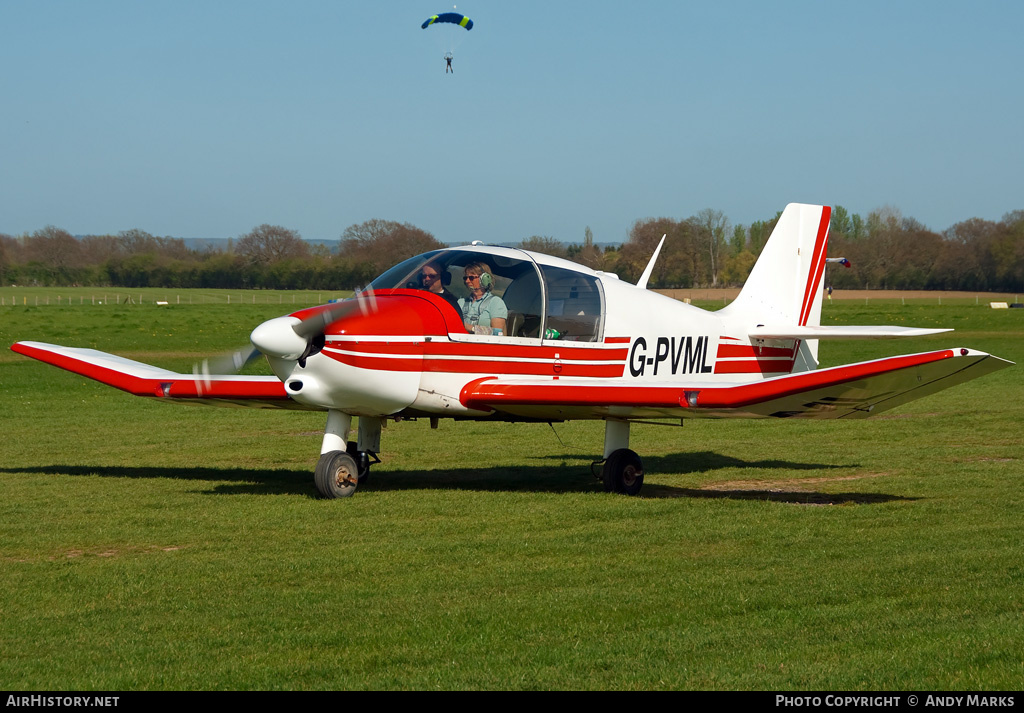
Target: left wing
145, 380
849, 391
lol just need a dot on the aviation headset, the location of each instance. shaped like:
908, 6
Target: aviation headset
486, 280
442, 274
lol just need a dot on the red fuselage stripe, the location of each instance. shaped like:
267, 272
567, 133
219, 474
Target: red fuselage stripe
761, 366
738, 351
479, 366
464, 349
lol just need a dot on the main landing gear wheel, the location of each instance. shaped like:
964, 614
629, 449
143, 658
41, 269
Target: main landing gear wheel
337, 475
623, 472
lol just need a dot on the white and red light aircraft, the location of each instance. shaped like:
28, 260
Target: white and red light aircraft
575, 344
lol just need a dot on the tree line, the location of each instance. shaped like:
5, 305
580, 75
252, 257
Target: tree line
886, 250
267, 257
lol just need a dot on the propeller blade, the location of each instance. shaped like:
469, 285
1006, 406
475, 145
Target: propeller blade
224, 365
364, 300
317, 323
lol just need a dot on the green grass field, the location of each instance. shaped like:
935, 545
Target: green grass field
155, 546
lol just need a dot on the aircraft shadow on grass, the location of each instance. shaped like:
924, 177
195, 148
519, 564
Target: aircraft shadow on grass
566, 477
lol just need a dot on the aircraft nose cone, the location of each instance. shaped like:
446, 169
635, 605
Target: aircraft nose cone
277, 338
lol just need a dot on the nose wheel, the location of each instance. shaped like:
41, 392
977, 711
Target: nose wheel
336, 475
339, 473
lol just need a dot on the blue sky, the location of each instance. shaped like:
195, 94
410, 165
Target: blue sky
207, 118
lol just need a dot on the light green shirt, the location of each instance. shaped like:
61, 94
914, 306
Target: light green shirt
482, 311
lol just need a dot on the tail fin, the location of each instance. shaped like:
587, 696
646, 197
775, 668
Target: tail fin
785, 286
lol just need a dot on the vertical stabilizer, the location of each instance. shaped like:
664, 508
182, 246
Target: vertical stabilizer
785, 286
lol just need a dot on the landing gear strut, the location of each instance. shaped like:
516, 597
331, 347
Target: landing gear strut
623, 470
363, 459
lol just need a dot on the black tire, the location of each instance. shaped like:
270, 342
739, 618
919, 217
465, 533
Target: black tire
623, 472
337, 475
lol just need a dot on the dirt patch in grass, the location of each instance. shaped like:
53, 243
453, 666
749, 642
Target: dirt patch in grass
893, 416
782, 485
105, 552
793, 491
115, 551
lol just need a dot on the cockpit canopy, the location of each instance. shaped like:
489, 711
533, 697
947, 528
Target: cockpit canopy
544, 301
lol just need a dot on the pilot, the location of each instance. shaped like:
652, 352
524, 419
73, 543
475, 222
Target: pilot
433, 280
483, 312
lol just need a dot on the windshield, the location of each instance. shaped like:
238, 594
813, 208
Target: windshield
403, 274
511, 287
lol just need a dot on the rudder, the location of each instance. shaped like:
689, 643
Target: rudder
785, 285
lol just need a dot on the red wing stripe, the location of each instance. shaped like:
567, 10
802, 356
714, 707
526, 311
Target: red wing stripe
172, 385
749, 394
482, 394
487, 393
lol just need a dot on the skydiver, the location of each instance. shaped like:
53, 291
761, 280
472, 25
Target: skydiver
448, 59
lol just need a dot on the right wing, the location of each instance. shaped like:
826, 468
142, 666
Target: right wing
142, 379
848, 391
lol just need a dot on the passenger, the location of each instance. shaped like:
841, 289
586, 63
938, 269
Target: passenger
483, 312
433, 280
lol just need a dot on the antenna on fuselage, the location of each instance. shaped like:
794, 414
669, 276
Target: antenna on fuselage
642, 283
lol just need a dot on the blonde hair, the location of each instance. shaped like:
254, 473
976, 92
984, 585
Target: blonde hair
482, 268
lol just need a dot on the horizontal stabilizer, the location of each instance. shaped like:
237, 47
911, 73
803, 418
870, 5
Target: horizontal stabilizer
839, 332
142, 379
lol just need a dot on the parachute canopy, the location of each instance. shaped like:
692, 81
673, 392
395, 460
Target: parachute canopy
452, 17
